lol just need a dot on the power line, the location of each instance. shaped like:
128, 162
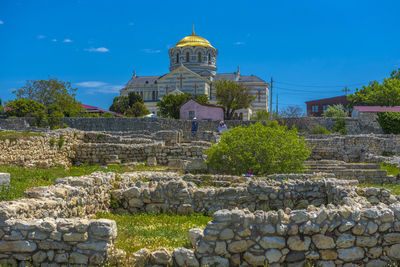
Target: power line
321, 86
307, 91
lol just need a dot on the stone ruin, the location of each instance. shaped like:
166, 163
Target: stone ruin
279, 220
321, 217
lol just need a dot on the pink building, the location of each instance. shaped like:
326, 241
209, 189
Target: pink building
201, 111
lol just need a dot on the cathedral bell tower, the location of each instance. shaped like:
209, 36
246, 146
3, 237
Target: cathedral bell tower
196, 54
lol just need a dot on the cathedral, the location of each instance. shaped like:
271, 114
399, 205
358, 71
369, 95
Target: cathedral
193, 69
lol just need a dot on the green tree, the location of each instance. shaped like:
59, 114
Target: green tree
232, 96
49, 92
336, 111
28, 108
169, 104
386, 93
389, 122
138, 109
54, 115
262, 149
120, 104
134, 97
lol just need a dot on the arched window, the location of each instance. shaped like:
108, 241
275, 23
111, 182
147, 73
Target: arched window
177, 58
209, 58
199, 57
187, 57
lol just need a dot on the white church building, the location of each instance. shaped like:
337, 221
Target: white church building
193, 69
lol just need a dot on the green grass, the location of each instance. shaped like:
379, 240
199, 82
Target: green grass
23, 178
394, 189
390, 168
155, 231
13, 136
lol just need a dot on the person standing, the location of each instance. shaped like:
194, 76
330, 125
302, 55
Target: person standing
222, 127
195, 127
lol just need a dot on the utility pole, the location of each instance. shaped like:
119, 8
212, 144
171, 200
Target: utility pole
346, 90
277, 109
270, 98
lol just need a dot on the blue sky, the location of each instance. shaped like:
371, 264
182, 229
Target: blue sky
311, 48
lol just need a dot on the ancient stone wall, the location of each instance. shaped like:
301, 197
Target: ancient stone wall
102, 153
352, 148
69, 197
362, 125
50, 149
330, 236
77, 242
139, 192
37, 229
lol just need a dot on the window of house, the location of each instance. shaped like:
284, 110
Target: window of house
325, 107
177, 58
191, 114
314, 108
199, 57
209, 58
241, 116
153, 95
187, 57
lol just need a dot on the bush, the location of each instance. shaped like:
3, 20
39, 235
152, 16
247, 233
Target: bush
107, 115
340, 126
319, 129
336, 111
262, 149
28, 108
389, 122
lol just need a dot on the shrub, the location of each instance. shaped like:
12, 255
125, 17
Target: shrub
336, 111
340, 126
262, 149
389, 122
27, 108
319, 129
107, 115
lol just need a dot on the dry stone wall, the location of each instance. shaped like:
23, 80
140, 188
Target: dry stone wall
56, 242
69, 197
137, 194
50, 149
352, 148
327, 236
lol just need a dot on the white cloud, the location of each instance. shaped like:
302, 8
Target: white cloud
54, 40
67, 40
91, 84
1, 22
99, 49
41, 36
95, 87
240, 43
131, 23
151, 51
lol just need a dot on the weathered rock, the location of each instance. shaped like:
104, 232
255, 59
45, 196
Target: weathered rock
296, 243
254, 260
351, 254
185, 257
194, 235
323, 242
161, 256
273, 255
214, 261
268, 242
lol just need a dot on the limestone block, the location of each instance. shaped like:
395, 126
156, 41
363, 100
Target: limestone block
17, 246
78, 258
214, 261
323, 242
254, 260
194, 235
350, 254
161, 256
4, 180
103, 229
185, 257
75, 237
268, 242
297, 243
273, 255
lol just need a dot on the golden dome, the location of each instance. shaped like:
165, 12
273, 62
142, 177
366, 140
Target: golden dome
193, 40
